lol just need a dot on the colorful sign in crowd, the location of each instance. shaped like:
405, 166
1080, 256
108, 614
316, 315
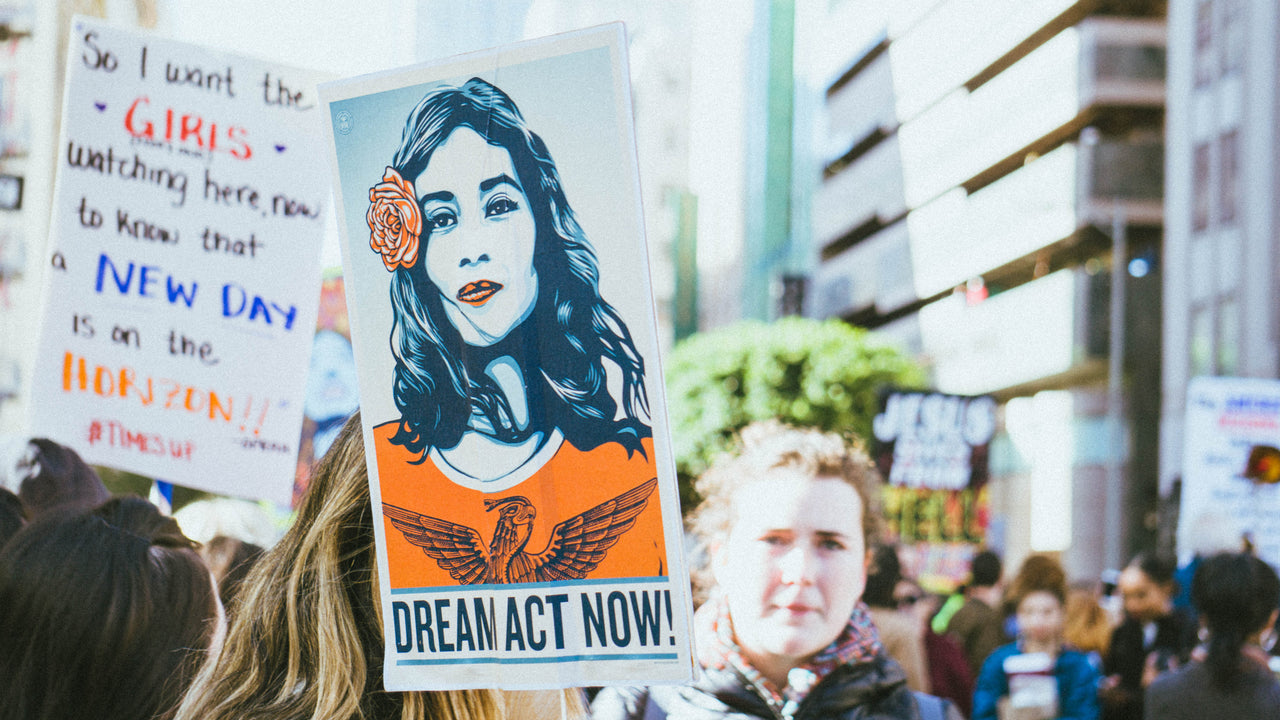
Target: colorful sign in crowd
187, 218
932, 448
506, 350
1229, 488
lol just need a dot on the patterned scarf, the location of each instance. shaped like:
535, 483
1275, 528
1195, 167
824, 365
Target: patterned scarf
717, 649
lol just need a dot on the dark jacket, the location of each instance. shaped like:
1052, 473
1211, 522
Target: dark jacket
1127, 655
1188, 693
1077, 685
979, 628
875, 690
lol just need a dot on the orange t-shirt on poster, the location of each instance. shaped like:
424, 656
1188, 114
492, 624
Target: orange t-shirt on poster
570, 483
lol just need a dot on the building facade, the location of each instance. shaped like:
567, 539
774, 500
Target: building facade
982, 168
1222, 245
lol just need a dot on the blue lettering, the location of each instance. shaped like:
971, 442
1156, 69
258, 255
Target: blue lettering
289, 315
442, 625
177, 290
422, 620
103, 263
400, 611
514, 637
259, 308
537, 640
146, 279
226, 300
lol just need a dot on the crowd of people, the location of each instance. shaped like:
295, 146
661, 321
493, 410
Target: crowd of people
108, 610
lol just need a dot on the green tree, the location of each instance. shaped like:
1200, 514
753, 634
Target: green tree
806, 372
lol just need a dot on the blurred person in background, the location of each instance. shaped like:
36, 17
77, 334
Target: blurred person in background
1210, 533
229, 559
1154, 637
978, 626
104, 614
1088, 626
306, 637
900, 632
786, 520
1237, 596
52, 477
1038, 593
948, 669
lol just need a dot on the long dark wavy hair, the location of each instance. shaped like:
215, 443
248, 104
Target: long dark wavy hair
440, 380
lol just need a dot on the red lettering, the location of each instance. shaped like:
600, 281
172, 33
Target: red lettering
191, 126
191, 129
237, 136
147, 131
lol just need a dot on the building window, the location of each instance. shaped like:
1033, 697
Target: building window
1201, 344
1234, 35
1228, 342
1229, 180
1205, 61
1201, 198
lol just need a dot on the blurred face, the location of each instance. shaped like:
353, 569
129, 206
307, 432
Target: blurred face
1040, 618
479, 234
793, 566
1144, 599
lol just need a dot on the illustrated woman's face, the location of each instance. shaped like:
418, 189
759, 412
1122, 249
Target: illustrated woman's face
479, 234
793, 566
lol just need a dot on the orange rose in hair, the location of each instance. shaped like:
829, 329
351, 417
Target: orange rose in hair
395, 222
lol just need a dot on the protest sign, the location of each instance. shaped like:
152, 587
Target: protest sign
1227, 419
332, 392
187, 220
932, 450
514, 418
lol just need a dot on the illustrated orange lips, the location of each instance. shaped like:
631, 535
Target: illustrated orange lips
478, 292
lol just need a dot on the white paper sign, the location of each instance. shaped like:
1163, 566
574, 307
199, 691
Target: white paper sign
1226, 417
187, 220
528, 521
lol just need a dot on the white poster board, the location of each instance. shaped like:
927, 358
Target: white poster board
528, 521
1225, 418
187, 220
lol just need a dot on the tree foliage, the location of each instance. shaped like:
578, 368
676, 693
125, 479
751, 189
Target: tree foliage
806, 372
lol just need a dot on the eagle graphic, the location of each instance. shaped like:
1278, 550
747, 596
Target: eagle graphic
576, 547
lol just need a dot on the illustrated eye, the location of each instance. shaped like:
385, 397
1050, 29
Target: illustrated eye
440, 220
500, 205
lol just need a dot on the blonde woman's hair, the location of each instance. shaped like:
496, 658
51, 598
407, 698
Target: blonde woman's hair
767, 446
1086, 626
306, 638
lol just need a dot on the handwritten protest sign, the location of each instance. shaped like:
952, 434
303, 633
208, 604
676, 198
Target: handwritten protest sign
187, 219
504, 333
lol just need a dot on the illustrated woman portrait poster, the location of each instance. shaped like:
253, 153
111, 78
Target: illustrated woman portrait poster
503, 328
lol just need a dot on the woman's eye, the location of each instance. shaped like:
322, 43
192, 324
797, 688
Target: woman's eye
773, 540
440, 221
831, 545
500, 205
